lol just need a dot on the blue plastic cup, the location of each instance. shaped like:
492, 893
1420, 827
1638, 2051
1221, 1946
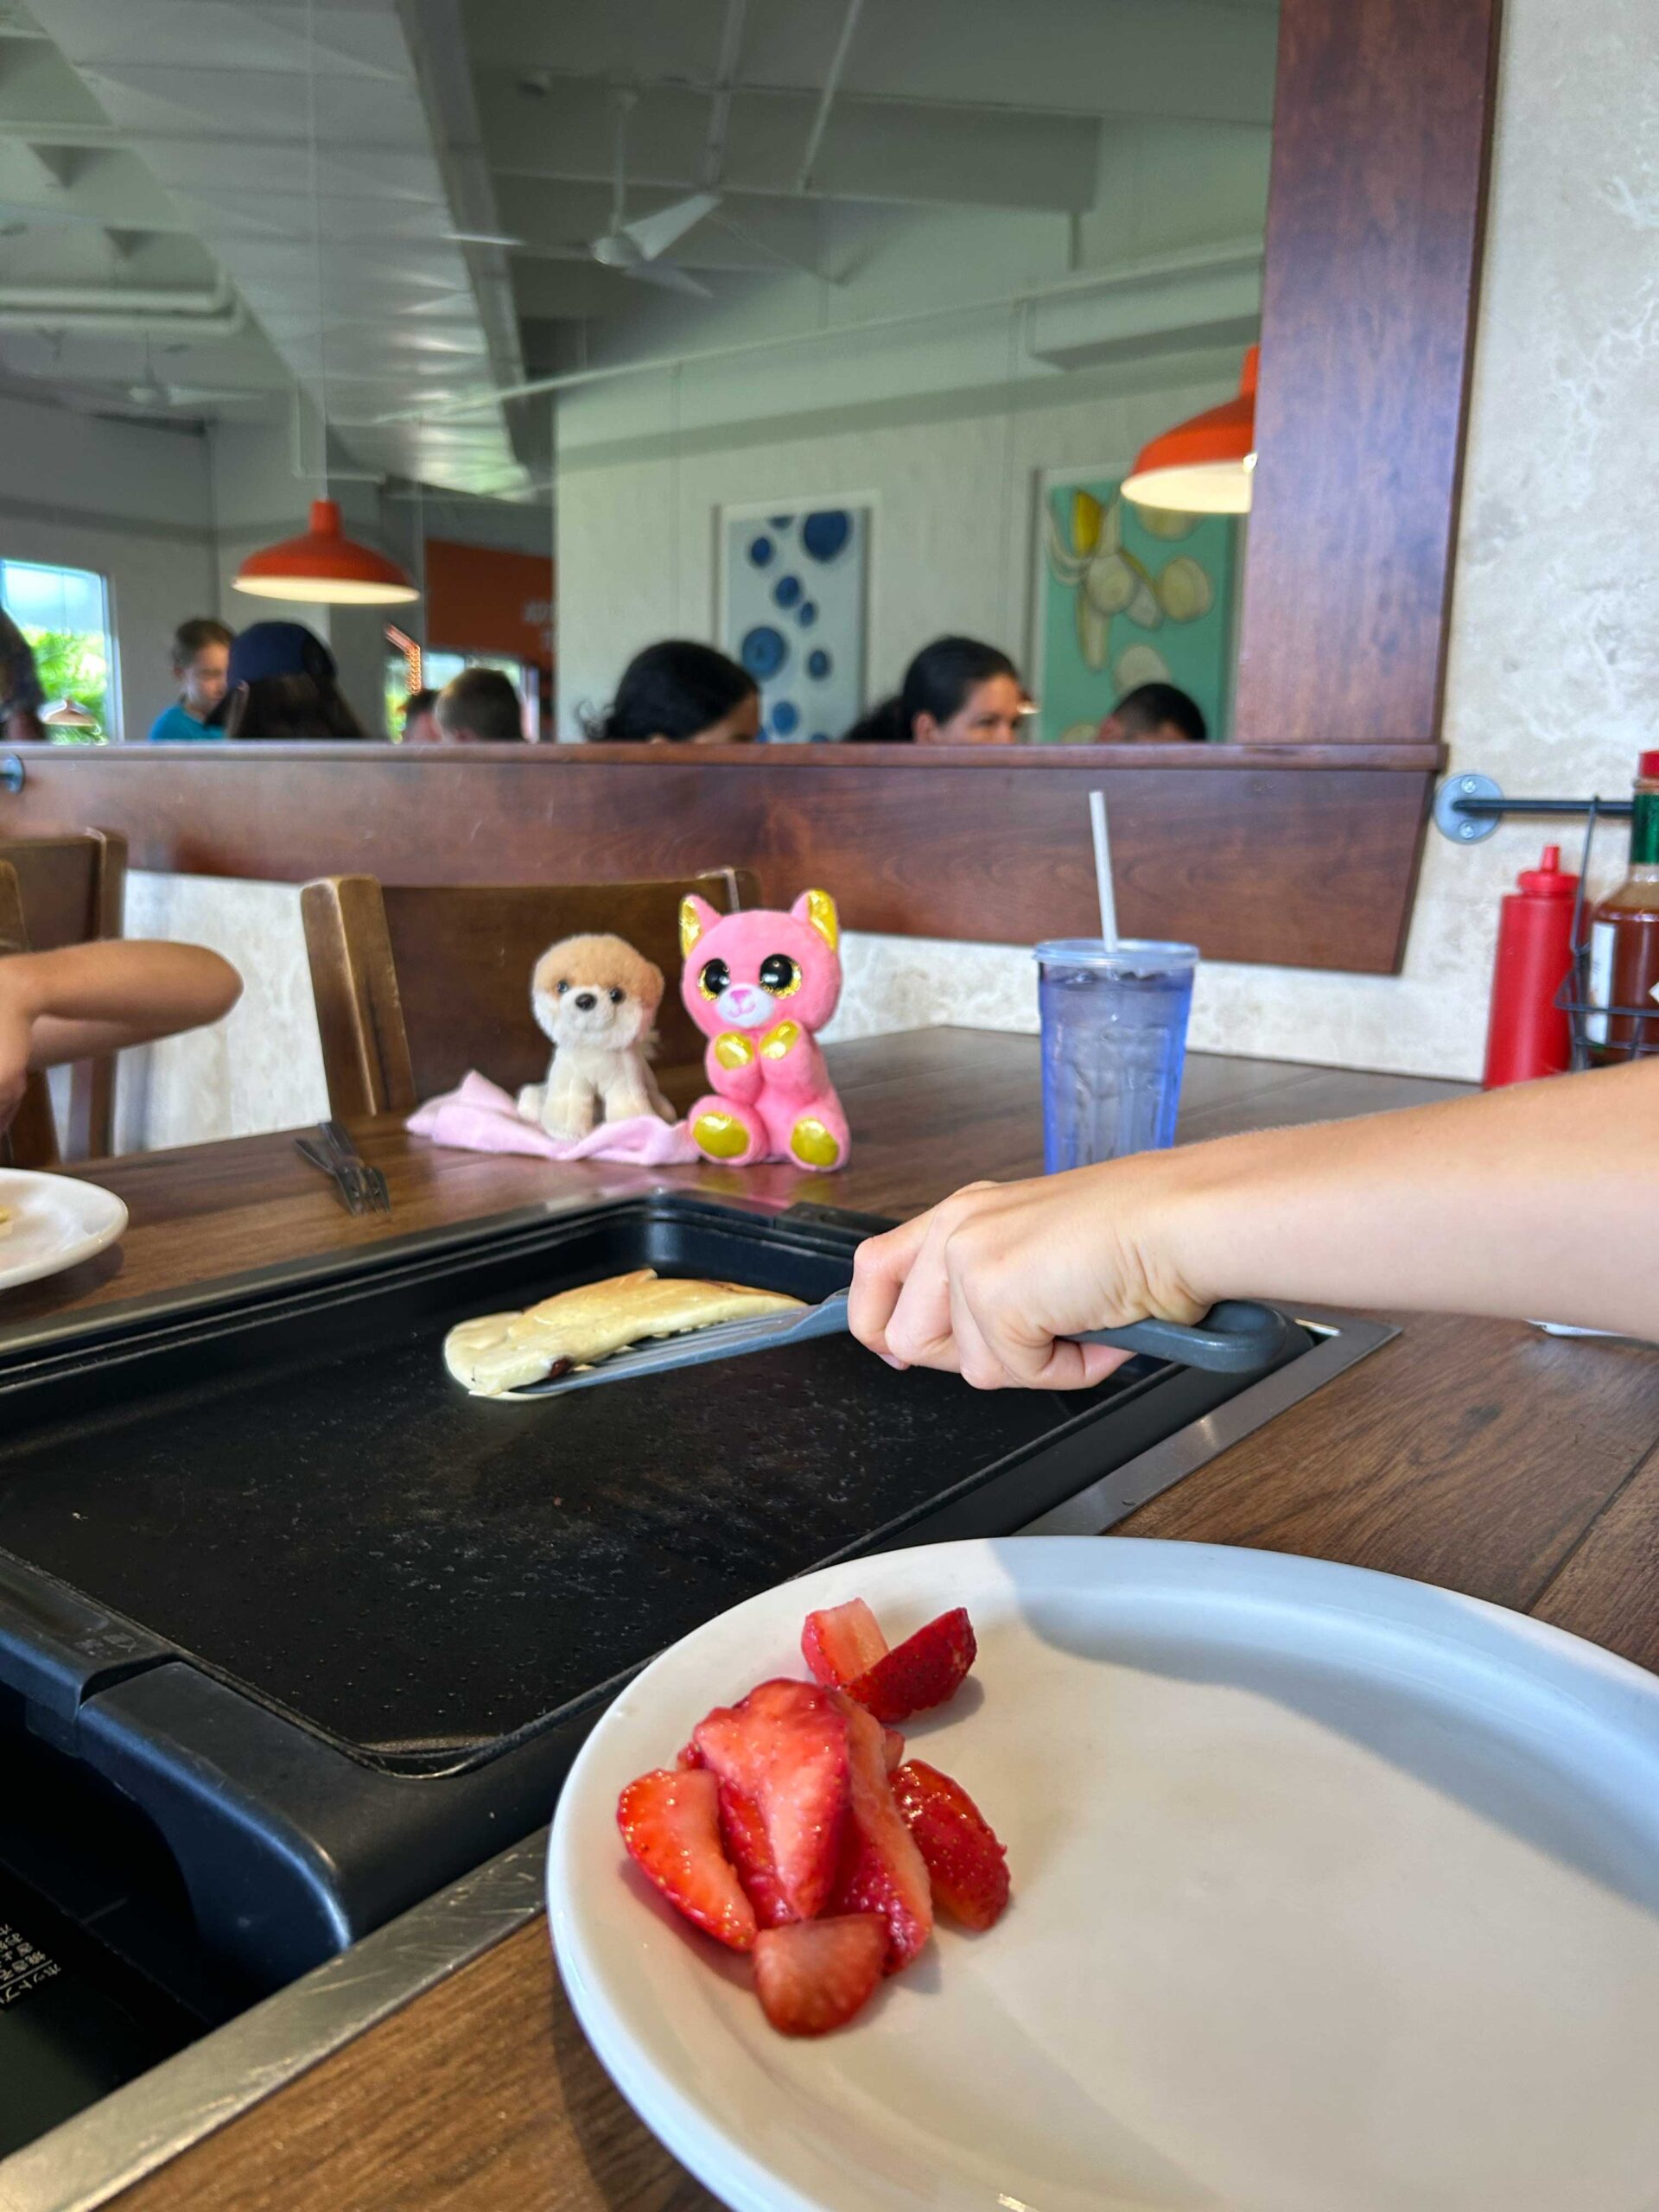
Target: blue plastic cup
1114, 1045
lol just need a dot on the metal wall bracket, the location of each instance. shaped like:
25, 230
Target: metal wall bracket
1449, 818
1468, 808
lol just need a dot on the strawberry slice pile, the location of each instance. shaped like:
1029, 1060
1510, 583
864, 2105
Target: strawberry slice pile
792, 1826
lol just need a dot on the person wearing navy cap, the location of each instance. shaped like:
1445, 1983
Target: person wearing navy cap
282, 683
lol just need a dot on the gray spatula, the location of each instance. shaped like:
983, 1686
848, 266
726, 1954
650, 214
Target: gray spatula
1235, 1337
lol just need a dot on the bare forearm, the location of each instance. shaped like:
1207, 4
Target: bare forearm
1542, 1200
90, 999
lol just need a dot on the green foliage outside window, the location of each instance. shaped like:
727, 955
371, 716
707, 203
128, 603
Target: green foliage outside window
73, 665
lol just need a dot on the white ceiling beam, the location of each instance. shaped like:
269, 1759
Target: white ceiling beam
919, 155
720, 107
444, 74
58, 165
1207, 60
827, 92
181, 79
106, 187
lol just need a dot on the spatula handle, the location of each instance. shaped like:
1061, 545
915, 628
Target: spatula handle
1236, 1338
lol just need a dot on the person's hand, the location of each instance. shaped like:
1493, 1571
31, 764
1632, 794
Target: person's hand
988, 1284
16, 1042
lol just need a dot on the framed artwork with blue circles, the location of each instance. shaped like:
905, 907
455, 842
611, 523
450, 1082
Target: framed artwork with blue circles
794, 611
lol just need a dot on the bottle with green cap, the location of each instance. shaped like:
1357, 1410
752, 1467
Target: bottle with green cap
1625, 940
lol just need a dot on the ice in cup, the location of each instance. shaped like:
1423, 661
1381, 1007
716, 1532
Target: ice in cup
1114, 1020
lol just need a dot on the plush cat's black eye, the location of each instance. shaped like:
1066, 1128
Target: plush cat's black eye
714, 979
617, 997
779, 974
562, 988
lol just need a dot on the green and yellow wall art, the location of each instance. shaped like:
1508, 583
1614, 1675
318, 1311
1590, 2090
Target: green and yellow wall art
1128, 595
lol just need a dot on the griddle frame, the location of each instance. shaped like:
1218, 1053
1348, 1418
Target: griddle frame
139, 2128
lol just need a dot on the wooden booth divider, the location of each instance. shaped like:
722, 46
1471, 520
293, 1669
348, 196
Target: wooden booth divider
1302, 856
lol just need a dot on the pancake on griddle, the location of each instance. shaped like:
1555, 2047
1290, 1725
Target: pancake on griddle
500, 1353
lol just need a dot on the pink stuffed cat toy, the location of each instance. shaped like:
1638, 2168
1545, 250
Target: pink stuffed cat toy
758, 985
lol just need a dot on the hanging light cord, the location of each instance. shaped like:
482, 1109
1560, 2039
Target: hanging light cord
316, 238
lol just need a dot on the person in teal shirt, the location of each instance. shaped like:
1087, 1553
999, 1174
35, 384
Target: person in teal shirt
201, 657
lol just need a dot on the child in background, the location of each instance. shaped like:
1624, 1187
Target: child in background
201, 654
85, 1001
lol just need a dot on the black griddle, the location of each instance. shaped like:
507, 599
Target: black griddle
329, 1631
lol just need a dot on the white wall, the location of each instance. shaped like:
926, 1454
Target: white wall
952, 479
130, 501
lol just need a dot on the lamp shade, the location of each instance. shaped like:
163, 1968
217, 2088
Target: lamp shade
1204, 466
325, 566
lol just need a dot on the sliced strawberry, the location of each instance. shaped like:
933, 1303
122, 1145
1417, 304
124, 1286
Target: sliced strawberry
892, 1748
969, 1868
784, 1748
924, 1670
670, 1823
882, 1870
814, 1975
744, 1834
842, 1644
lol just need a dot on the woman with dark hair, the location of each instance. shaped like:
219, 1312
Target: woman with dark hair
957, 691
679, 693
282, 683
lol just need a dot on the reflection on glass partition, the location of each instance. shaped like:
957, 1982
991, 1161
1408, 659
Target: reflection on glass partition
924, 278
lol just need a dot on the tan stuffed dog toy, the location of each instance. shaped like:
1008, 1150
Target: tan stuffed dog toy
596, 998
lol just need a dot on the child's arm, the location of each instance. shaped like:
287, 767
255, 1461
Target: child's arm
1539, 1199
87, 999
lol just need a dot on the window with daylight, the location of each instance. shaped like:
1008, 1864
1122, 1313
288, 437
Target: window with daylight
65, 615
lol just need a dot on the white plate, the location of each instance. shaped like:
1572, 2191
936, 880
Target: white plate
1332, 1893
56, 1221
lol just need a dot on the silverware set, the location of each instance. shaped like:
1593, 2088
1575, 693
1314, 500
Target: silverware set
361, 1189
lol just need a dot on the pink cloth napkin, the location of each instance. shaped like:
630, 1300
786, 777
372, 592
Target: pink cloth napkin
480, 1117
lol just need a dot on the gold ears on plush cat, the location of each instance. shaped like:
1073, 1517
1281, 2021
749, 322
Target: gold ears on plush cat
697, 918
818, 908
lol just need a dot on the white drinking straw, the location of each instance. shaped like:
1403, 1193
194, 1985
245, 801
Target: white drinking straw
1104, 870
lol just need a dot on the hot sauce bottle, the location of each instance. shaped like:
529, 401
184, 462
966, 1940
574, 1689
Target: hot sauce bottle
1625, 940
1527, 1034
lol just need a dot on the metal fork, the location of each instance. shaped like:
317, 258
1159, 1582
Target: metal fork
369, 1183
345, 1189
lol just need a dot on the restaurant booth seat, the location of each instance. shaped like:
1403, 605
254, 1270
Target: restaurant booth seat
416, 985
59, 891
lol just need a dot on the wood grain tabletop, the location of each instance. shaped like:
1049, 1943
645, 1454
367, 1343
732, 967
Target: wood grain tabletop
1480, 1455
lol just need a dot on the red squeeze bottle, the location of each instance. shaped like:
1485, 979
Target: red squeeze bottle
1527, 1034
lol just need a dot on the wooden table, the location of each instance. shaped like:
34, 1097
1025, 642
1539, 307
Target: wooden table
1476, 1454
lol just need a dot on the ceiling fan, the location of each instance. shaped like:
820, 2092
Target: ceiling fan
634, 249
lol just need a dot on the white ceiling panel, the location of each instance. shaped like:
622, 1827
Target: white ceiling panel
223, 99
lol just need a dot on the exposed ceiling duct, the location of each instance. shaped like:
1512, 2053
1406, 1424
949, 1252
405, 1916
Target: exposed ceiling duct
312, 177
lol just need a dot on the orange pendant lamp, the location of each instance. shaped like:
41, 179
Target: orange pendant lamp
325, 566
1204, 466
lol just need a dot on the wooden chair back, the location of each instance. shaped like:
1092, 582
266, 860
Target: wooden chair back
71, 890
32, 1138
415, 985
